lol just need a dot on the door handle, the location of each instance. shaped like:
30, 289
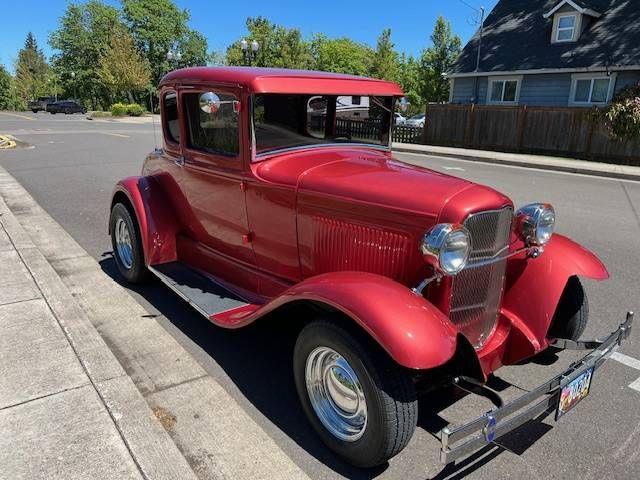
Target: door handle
179, 161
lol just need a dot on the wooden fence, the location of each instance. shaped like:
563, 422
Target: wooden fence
563, 131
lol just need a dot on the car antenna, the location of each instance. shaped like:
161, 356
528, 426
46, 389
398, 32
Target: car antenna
153, 122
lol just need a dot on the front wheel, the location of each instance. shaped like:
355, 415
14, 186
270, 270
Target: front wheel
361, 403
126, 243
572, 313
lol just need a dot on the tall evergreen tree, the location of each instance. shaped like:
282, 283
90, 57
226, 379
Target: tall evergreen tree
385, 58
31, 70
438, 60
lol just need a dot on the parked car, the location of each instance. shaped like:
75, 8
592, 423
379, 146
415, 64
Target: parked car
41, 104
397, 278
67, 107
416, 120
399, 119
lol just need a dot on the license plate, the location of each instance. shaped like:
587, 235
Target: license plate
573, 392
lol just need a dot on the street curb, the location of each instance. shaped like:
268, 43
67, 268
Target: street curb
521, 163
148, 442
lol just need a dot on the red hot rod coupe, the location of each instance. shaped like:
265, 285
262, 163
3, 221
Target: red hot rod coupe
276, 193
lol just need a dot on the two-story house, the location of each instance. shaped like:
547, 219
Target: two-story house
550, 53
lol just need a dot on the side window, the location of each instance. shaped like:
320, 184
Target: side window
172, 125
213, 125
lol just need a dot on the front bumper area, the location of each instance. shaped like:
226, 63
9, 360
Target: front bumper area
461, 441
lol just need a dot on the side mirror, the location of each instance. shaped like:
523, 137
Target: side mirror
209, 102
403, 104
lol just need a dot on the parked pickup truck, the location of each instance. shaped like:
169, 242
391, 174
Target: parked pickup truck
398, 279
41, 104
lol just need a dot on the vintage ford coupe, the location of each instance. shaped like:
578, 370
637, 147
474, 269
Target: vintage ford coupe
276, 196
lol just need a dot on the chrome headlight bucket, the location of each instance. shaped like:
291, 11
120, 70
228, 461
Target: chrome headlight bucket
536, 223
446, 247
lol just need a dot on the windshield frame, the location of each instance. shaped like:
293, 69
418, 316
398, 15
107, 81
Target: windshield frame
258, 156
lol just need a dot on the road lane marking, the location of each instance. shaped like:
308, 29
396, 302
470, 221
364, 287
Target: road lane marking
116, 134
626, 360
629, 362
454, 168
17, 115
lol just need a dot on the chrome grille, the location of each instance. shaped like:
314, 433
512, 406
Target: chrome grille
477, 291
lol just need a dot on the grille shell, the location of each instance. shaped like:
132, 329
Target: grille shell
477, 290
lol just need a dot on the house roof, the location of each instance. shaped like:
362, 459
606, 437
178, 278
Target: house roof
579, 5
517, 37
281, 80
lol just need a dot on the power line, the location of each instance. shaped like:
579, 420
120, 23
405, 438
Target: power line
469, 5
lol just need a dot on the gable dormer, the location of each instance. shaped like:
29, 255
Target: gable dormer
570, 17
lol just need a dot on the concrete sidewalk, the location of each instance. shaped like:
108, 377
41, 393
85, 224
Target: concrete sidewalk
67, 408
543, 162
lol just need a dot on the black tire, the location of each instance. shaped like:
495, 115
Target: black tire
67, 111
34, 110
137, 272
572, 313
390, 395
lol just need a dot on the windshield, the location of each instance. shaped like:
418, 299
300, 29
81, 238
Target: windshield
286, 121
420, 116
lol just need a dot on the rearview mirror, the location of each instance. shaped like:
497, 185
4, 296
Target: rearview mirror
209, 102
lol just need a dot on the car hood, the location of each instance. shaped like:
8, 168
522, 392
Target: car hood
375, 178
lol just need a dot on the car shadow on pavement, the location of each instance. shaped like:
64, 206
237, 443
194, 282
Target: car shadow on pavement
257, 359
267, 383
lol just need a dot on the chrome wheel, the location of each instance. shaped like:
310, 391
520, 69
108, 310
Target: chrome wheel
336, 394
123, 243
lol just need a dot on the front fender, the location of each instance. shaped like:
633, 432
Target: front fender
156, 221
534, 286
413, 332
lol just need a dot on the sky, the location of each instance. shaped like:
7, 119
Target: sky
222, 22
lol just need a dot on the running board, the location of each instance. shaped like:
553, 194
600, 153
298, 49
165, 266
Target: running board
205, 295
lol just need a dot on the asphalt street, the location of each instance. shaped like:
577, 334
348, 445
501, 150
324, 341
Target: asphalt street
70, 165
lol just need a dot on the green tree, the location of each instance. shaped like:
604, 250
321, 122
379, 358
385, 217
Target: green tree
31, 70
159, 26
410, 79
385, 59
122, 68
280, 47
438, 60
340, 55
9, 98
81, 39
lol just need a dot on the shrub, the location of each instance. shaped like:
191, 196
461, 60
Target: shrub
119, 109
135, 110
622, 117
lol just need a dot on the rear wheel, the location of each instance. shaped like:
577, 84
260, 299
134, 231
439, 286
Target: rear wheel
361, 403
127, 246
572, 312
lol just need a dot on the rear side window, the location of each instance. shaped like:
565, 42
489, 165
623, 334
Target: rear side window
172, 125
213, 129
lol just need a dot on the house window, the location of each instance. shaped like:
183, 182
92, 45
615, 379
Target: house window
504, 90
566, 28
591, 90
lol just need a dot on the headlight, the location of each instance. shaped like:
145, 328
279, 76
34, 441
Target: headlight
446, 247
536, 223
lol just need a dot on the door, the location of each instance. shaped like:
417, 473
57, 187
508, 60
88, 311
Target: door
213, 172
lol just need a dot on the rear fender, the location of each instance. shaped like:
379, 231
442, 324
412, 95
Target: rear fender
534, 286
413, 332
155, 218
